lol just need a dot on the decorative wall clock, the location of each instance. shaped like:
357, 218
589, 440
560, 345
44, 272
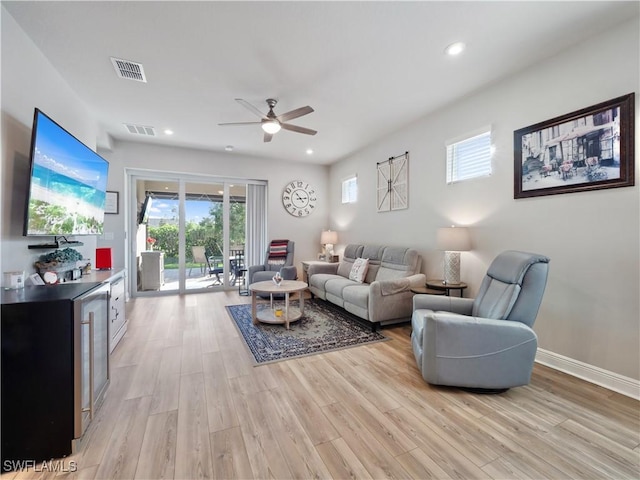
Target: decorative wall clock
393, 183
299, 198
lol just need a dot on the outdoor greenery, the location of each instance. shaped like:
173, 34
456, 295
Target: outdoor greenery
207, 232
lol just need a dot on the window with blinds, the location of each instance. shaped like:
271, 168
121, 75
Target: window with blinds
469, 158
350, 189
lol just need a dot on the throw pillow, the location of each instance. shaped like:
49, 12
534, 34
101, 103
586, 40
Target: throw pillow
359, 270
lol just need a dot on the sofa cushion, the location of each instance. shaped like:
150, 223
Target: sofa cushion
357, 295
359, 270
372, 272
320, 279
398, 262
352, 251
336, 285
345, 266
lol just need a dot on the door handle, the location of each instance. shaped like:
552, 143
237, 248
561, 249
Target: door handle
90, 322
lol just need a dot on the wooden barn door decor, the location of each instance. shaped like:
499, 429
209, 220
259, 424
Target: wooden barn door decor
393, 183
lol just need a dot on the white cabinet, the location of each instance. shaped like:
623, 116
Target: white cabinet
117, 319
152, 266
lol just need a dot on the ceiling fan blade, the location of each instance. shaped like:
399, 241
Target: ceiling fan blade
298, 112
239, 123
295, 128
267, 137
248, 106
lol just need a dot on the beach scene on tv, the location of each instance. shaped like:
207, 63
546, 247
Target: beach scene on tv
68, 184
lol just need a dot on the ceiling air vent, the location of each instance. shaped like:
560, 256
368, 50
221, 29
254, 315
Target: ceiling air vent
129, 70
140, 129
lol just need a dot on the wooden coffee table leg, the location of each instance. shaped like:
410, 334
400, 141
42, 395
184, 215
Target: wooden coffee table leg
254, 314
286, 309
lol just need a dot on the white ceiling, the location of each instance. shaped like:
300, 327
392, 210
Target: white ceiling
367, 68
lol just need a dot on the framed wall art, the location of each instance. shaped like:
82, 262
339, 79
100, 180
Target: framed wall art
111, 203
393, 183
590, 149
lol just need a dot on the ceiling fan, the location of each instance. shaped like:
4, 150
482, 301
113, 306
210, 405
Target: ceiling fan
272, 123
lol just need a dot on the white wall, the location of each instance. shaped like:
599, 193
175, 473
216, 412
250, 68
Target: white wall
591, 307
590, 311
29, 81
305, 232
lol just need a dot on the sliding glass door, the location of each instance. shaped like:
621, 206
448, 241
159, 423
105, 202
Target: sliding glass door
189, 235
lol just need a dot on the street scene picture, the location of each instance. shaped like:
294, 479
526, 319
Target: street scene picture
582, 151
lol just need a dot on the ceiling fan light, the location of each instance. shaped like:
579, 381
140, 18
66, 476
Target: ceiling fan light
271, 127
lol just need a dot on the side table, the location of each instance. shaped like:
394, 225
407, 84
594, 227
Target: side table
305, 266
438, 284
428, 291
243, 287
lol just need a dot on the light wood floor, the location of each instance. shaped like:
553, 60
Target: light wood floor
186, 402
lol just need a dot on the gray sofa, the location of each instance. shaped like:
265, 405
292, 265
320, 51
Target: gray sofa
384, 297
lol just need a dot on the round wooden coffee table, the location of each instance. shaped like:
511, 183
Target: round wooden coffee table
289, 313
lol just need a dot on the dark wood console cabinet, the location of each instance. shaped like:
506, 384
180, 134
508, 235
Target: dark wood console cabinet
44, 339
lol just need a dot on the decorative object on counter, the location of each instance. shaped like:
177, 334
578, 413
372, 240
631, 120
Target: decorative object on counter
50, 278
277, 279
104, 258
60, 256
66, 264
13, 280
328, 238
151, 242
453, 240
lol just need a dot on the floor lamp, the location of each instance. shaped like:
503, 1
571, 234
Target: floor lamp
453, 240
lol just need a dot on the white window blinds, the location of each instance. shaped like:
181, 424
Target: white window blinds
350, 190
469, 158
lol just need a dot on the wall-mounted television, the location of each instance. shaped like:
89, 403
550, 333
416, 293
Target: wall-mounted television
67, 184
143, 216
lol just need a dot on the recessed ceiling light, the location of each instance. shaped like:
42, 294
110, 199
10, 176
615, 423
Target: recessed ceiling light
455, 49
168, 132
309, 151
229, 148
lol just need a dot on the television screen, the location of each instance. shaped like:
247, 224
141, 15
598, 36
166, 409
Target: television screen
67, 184
143, 217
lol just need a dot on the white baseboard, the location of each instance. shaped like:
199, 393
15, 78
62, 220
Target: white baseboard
609, 380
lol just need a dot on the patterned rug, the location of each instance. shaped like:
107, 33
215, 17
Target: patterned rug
322, 328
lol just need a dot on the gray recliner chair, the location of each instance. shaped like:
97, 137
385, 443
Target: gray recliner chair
485, 343
279, 258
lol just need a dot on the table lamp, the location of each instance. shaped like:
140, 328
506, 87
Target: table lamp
328, 239
453, 240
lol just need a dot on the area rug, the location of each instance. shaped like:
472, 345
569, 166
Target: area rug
322, 328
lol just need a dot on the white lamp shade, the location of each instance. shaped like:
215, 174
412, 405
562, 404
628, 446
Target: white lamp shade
271, 127
329, 236
453, 239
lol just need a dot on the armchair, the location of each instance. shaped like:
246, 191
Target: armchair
279, 258
485, 343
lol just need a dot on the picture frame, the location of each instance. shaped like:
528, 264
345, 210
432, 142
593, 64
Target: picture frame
393, 183
589, 149
112, 203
